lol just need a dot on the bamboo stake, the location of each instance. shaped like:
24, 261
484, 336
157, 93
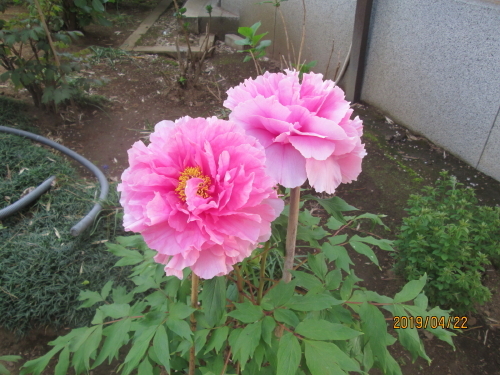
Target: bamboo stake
194, 304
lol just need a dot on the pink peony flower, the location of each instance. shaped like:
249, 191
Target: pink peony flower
305, 128
199, 195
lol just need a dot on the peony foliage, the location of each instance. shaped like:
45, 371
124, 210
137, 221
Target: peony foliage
204, 199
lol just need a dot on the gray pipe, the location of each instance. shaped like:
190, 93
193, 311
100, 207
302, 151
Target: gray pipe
27, 199
89, 218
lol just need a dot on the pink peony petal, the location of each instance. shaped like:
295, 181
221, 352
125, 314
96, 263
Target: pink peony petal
209, 265
312, 147
324, 175
286, 165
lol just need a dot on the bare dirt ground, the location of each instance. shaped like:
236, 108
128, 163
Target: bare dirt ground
143, 90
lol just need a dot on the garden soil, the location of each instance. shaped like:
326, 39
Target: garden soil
143, 90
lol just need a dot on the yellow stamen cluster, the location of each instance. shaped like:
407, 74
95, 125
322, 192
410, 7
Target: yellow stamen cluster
188, 173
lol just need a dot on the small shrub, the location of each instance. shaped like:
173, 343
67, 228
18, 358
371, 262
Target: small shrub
451, 238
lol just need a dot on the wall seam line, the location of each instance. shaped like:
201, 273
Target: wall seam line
488, 138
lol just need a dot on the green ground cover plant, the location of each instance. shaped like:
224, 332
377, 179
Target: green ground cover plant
43, 268
449, 236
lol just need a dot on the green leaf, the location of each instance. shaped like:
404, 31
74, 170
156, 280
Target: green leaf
91, 345
180, 327
179, 310
213, 297
289, 355
323, 330
374, 218
145, 368
286, 316
333, 279
334, 206
381, 243
106, 289
333, 354
338, 254
307, 281
280, 294
338, 239
10, 358
97, 5
361, 248
411, 290
334, 224
374, 326
255, 27
200, 339
318, 265
320, 360
268, 326
408, 337
36, 366
91, 298
217, 339
247, 312
161, 347
117, 335
139, 347
312, 302
129, 257
116, 310
246, 32
3, 369
247, 342
63, 363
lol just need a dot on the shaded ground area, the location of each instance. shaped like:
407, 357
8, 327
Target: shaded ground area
143, 90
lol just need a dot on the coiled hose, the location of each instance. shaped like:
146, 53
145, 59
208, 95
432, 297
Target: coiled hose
16, 206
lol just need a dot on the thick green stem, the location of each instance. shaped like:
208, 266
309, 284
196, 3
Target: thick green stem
291, 235
194, 304
262, 271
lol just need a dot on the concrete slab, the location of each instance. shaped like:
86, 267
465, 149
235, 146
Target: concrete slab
221, 21
230, 40
130, 42
171, 51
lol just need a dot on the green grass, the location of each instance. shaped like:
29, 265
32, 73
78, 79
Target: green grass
42, 267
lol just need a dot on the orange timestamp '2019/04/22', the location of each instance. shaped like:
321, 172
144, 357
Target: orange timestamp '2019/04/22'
455, 322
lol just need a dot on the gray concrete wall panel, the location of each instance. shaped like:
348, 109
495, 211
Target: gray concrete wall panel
434, 67
490, 159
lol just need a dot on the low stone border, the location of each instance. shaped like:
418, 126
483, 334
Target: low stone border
129, 44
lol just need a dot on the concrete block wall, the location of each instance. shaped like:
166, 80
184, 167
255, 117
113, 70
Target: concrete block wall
433, 66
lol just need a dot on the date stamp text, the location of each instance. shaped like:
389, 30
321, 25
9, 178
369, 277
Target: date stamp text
455, 322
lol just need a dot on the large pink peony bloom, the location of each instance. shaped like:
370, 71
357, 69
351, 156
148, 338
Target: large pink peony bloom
199, 195
305, 128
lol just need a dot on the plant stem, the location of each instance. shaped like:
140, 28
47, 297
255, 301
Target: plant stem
239, 283
299, 64
262, 271
194, 304
291, 235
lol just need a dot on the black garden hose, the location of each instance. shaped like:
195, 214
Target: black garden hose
89, 218
27, 199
